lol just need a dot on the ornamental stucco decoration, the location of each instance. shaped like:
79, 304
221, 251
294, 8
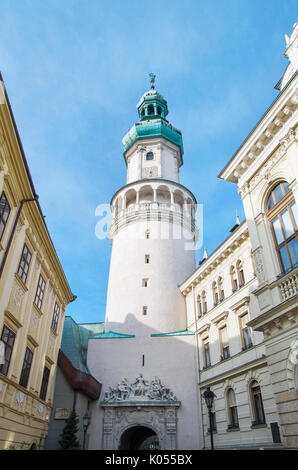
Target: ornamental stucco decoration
265, 171
139, 390
17, 296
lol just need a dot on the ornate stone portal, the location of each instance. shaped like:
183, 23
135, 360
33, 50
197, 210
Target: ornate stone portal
141, 403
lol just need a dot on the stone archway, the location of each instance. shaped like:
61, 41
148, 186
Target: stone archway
146, 406
139, 438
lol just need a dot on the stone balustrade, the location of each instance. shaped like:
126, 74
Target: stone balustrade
288, 284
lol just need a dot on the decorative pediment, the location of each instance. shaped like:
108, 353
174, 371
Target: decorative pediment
204, 329
220, 319
241, 306
139, 390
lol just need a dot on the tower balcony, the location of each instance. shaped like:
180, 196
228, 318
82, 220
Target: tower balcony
151, 200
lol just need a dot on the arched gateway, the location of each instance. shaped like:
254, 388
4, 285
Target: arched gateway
140, 415
139, 438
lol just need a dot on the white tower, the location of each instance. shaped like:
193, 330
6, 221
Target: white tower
153, 227
146, 359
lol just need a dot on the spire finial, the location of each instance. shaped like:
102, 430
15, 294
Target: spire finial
152, 80
237, 218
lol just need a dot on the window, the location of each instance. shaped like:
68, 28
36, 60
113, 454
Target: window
145, 310
257, 402
199, 305
213, 422
4, 213
147, 234
40, 291
215, 293
149, 156
220, 289
44, 383
147, 259
143, 360
282, 213
145, 282
232, 409
8, 338
150, 109
245, 332
240, 273
224, 342
159, 110
55, 317
204, 302
26, 368
233, 279
206, 350
24, 263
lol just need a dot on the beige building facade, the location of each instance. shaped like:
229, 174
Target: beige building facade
34, 293
242, 300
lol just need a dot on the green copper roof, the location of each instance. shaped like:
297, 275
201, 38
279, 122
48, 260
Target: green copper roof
75, 341
153, 110
153, 128
111, 334
175, 333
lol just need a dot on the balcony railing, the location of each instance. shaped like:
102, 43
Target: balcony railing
288, 284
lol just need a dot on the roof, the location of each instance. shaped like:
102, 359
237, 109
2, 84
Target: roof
111, 334
75, 341
175, 333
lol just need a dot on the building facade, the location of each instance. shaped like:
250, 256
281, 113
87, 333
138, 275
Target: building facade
34, 293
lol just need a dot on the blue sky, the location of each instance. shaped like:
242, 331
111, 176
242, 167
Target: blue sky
74, 71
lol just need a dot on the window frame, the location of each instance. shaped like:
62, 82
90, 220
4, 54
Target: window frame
26, 368
39, 295
2, 213
8, 349
274, 213
55, 318
44, 383
245, 344
151, 154
225, 349
233, 418
258, 420
206, 353
22, 272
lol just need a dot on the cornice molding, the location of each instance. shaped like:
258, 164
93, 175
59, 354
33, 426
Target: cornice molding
265, 171
263, 134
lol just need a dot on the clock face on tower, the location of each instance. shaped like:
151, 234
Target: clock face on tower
150, 172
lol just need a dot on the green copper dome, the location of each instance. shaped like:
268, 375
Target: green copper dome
153, 110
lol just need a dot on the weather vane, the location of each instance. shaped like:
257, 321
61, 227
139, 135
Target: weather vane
152, 79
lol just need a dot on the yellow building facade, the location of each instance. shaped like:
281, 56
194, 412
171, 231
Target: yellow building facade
34, 293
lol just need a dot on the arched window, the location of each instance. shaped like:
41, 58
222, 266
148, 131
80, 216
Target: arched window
233, 279
143, 112
232, 410
199, 305
257, 404
283, 215
149, 156
159, 110
204, 302
215, 293
150, 109
220, 289
240, 273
